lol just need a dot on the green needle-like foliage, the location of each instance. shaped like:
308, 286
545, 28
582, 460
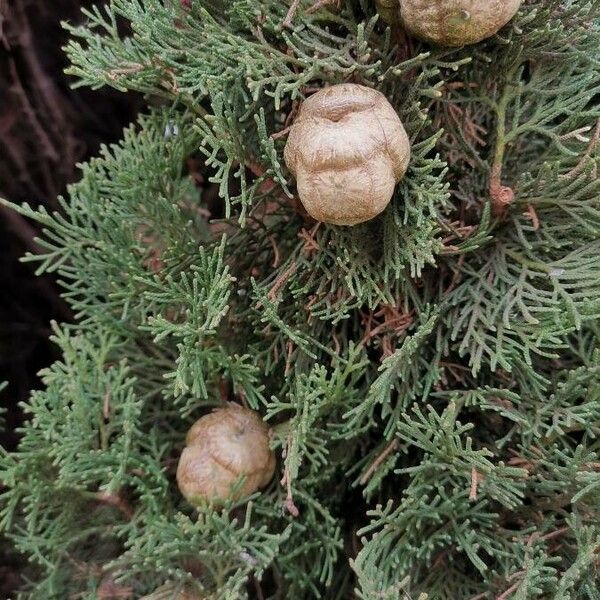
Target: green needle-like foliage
432, 377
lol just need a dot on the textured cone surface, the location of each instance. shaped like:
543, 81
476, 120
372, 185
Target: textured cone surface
223, 447
456, 22
347, 150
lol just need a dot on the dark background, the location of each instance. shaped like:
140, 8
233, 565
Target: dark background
45, 129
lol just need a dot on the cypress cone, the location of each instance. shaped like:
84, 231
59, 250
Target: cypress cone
347, 149
456, 22
221, 448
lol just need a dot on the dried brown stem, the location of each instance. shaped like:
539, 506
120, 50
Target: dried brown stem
287, 22
319, 4
509, 591
474, 483
378, 461
280, 282
117, 501
286, 481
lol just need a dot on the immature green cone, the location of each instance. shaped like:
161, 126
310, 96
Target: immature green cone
221, 448
456, 22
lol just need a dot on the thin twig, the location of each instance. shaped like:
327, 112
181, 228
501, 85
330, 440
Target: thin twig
501, 196
106, 406
378, 461
532, 214
291, 13
317, 5
280, 281
474, 482
116, 501
276, 255
289, 348
509, 591
287, 482
280, 134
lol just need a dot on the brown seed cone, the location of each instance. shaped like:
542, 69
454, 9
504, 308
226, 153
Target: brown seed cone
221, 448
456, 22
347, 149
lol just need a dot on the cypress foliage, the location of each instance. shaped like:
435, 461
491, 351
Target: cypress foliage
432, 377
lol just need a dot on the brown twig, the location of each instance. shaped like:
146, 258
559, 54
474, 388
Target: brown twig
289, 347
532, 214
509, 591
394, 320
276, 255
106, 406
310, 244
474, 482
555, 534
378, 461
319, 4
337, 347
117, 501
291, 13
280, 134
280, 282
286, 481
110, 590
